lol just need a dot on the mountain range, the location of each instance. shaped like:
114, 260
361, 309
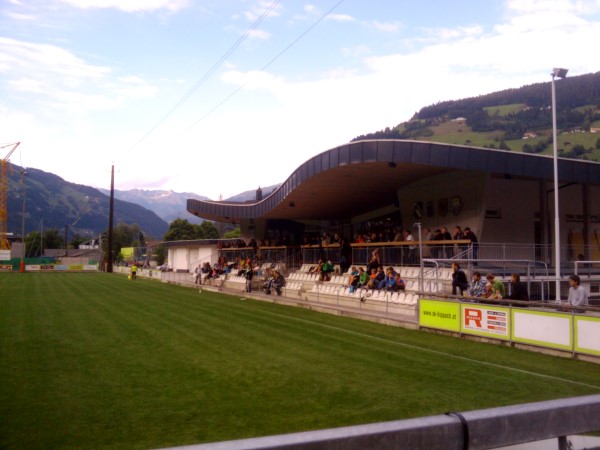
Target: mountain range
52, 202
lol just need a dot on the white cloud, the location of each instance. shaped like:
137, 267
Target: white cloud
341, 18
130, 5
259, 34
386, 27
261, 7
61, 80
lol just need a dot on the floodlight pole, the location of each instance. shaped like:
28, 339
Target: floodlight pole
418, 226
561, 73
22, 262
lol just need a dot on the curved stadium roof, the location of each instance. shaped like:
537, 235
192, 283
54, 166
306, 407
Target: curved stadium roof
365, 175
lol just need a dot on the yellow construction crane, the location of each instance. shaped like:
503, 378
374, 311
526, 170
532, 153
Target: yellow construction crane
4, 244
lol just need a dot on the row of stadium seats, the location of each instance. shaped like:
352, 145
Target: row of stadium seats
406, 298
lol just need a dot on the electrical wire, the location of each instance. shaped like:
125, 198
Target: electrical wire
239, 88
210, 71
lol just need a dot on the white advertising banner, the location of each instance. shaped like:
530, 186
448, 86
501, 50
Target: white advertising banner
539, 328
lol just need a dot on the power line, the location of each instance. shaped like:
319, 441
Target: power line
290, 45
210, 71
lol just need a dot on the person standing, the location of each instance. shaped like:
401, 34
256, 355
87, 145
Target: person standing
459, 235
577, 294
474, 242
134, 271
248, 274
198, 272
447, 248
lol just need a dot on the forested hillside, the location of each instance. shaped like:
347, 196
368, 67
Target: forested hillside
511, 115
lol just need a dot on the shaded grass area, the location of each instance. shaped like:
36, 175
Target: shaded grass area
98, 361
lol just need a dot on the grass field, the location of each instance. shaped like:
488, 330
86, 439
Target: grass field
98, 361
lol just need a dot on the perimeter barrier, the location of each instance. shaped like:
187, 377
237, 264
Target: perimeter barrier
474, 430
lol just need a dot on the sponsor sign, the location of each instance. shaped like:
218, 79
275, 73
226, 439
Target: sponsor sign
5, 268
485, 320
4, 255
546, 329
439, 315
587, 335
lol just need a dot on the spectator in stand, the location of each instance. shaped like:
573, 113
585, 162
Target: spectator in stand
389, 280
410, 249
436, 250
360, 239
353, 279
326, 270
278, 282
477, 288
398, 235
459, 235
474, 243
459, 279
498, 289
248, 274
427, 235
518, 289
400, 283
379, 276
577, 294
371, 279
363, 278
446, 236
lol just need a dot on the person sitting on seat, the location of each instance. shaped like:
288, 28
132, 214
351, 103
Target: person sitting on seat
353, 279
278, 282
375, 280
389, 280
518, 289
400, 283
326, 270
459, 279
363, 278
477, 286
498, 289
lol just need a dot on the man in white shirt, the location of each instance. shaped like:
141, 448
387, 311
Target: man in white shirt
577, 294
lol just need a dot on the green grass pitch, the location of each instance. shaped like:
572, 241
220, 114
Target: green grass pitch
99, 361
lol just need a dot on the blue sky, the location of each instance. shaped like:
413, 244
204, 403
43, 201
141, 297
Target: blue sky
157, 87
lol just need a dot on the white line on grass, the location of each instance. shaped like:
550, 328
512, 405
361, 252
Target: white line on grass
437, 352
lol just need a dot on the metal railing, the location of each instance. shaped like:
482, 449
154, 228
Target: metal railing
474, 430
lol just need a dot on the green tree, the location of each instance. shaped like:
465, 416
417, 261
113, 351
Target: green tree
53, 239
77, 240
33, 244
124, 235
207, 230
36, 243
181, 230
160, 255
236, 233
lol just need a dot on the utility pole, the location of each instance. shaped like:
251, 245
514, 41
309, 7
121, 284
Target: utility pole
109, 265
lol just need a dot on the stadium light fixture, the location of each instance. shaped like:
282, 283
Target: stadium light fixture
556, 73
